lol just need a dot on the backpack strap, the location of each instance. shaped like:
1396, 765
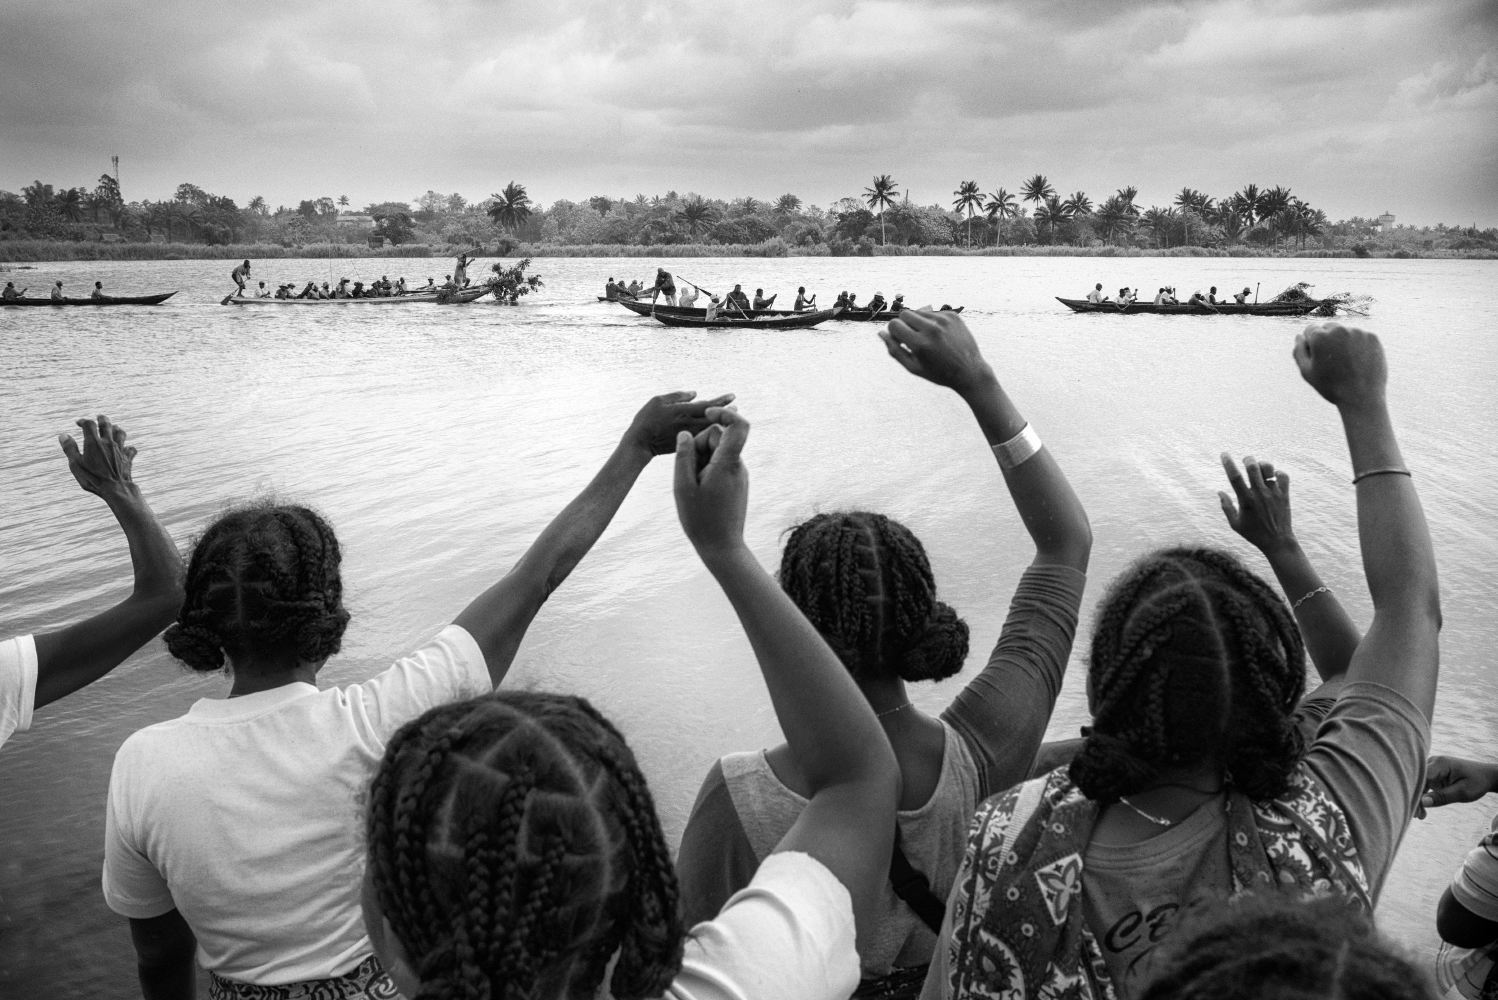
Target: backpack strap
914, 888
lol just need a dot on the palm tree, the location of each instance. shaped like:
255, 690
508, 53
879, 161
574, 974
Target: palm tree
879, 197
1126, 196
695, 213
1158, 221
1037, 189
1250, 202
968, 198
258, 206
1080, 203
787, 204
1111, 215
190, 215
70, 204
1050, 212
511, 207
38, 195
1001, 205
343, 201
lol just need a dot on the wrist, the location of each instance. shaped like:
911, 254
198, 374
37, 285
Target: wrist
724, 556
1283, 547
121, 494
634, 449
979, 386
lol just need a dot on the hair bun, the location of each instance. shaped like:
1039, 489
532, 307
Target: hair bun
198, 647
1107, 767
939, 650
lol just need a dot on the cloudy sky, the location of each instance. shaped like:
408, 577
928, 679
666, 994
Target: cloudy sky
1358, 106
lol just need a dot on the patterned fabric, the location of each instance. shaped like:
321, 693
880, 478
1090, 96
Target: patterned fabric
901, 984
1018, 927
366, 981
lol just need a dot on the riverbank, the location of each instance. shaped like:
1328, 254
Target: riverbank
36, 251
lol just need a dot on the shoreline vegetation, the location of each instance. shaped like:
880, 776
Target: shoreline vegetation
24, 251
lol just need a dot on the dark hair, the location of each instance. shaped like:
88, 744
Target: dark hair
864, 582
514, 846
1271, 946
263, 579
1194, 659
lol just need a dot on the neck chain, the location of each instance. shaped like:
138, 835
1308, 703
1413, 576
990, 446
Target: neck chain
1157, 820
892, 711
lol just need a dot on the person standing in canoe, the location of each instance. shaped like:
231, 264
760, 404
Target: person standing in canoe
460, 270
241, 276
664, 285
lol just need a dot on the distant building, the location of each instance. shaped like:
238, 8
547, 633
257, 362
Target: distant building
1386, 222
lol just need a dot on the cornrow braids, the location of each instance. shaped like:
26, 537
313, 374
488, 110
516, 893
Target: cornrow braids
514, 848
1194, 659
864, 582
262, 579
1274, 945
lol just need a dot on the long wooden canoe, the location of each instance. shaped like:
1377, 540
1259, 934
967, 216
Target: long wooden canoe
884, 315
795, 321
107, 300
644, 308
1295, 308
465, 295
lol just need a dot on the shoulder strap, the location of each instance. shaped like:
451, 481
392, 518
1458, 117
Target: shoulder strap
914, 888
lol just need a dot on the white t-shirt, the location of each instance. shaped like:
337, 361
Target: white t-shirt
247, 814
17, 685
788, 935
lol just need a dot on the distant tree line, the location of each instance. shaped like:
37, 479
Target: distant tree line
1034, 214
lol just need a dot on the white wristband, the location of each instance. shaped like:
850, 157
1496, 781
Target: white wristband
1018, 449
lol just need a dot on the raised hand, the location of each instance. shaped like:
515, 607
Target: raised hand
103, 465
1262, 512
1454, 779
656, 425
938, 347
712, 484
1346, 365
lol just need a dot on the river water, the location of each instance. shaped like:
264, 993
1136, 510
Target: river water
440, 440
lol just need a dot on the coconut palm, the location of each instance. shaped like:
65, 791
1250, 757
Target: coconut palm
258, 206
1250, 203
879, 197
70, 204
1158, 221
695, 213
1000, 206
1038, 190
1126, 196
1051, 212
787, 204
511, 207
1080, 203
968, 198
343, 201
1113, 215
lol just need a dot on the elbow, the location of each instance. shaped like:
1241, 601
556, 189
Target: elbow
1071, 547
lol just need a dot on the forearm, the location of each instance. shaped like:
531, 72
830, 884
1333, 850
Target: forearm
153, 554
1047, 504
498, 618
1398, 558
826, 720
169, 982
1329, 632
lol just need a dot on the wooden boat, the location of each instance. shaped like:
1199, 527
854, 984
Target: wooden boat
644, 308
465, 295
794, 321
884, 315
107, 300
1304, 307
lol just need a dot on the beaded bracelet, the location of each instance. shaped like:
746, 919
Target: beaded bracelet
1306, 597
1390, 471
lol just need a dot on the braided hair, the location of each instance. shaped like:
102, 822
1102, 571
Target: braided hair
1269, 946
514, 847
1194, 659
263, 579
864, 582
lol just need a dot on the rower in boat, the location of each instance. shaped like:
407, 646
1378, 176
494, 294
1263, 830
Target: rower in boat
664, 285
57, 292
612, 289
841, 302
1241, 297
737, 299
284, 291
98, 292
876, 303
1096, 295
1212, 296
687, 297
802, 302
263, 292
1197, 299
760, 302
898, 303
431, 286
460, 270
10, 292
240, 274
711, 309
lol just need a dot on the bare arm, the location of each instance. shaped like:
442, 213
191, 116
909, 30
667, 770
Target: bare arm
938, 347
1346, 366
164, 950
852, 780
1262, 516
499, 617
81, 653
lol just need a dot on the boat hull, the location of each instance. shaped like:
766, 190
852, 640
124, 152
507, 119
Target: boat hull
855, 315
795, 321
466, 295
107, 300
1187, 309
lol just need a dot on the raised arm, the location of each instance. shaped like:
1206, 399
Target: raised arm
498, 618
938, 347
1261, 515
1003, 712
1346, 366
853, 782
81, 653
